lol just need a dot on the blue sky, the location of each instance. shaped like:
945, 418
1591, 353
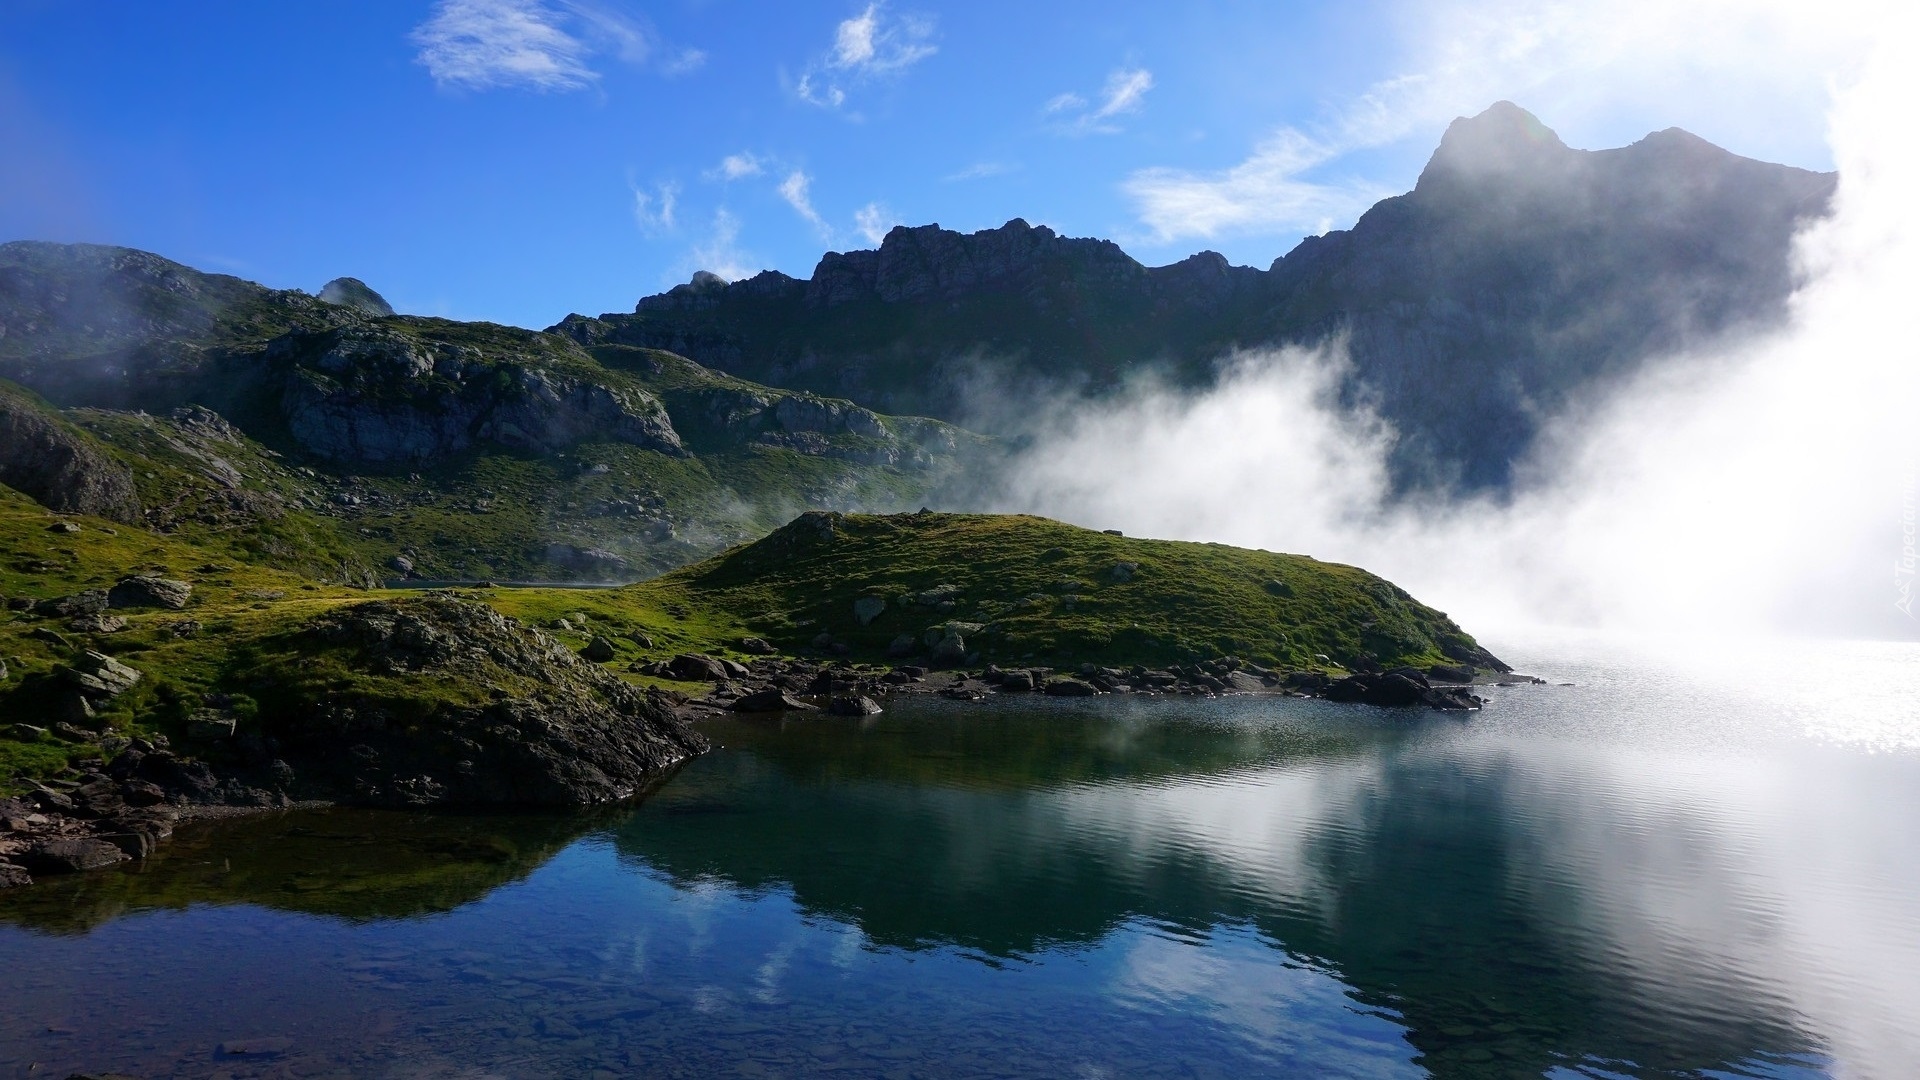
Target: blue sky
519, 159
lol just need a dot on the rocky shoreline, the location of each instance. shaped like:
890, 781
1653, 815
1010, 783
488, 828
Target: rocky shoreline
102, 812
843, 688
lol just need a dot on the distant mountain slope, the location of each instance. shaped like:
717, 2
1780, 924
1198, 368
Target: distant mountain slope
1518, 274
360, 445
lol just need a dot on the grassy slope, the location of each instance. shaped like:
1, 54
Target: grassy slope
1042, 591
1048, 592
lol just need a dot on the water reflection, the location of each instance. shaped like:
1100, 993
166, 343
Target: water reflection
1053, 887
355, 865
1520, 904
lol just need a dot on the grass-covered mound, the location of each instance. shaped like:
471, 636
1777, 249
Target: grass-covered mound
1013, 589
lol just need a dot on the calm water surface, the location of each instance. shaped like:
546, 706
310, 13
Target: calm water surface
1652, 872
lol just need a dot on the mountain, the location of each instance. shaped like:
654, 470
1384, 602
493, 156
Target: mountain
355, 444
1516, 277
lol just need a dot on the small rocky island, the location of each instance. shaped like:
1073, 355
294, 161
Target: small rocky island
149, 684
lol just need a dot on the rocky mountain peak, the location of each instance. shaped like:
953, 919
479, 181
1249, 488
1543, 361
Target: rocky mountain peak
1504, 141
357, 294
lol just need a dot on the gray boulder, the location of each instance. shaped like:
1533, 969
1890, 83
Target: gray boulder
772, 699
98, 675
868, 608
147, 590
72, 856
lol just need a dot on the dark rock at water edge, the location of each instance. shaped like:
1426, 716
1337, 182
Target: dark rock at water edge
583, 737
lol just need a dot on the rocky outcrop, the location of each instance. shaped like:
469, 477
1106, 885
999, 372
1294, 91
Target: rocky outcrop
58, 465
376, 396
356, 294
559, 730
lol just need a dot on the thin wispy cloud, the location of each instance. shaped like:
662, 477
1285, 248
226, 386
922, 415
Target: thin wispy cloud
737, 167
720, 252
795, 189
653, 210
981, 170
1124, 93
533, 45
869, 45
874, 221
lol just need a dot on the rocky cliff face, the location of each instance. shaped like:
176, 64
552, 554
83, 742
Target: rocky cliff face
374, 395
1518, 275
58, 465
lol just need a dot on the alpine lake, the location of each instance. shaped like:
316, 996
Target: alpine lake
1706, 867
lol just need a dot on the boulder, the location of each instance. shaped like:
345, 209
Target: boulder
772, 699
696, 667
70, 856
754, 646
1018, 679
598, 651
97, 624
14, 877
853, 705
96, 674
868, 608
1069, 687
1391, 689
147, 590
1124, 571
1242, 683
950, 649
1308, 681
1452, 699
211, 725
27, 732
90, 602
903, 645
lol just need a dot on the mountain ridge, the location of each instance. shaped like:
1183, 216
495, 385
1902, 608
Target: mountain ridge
1517, 276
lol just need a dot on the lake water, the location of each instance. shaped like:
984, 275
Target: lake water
1707, 867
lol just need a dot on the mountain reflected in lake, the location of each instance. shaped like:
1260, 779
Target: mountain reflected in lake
1621, 878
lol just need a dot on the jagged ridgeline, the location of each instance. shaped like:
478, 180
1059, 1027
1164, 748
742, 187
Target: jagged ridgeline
363, 445
1517, 276
972, 589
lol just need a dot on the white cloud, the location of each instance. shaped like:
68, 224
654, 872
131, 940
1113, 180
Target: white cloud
866, 46
1124, 92
1066, 102
485, 44
720, 253
684, 62
794, 189
737, 167
653, 210
873, 221
980, 170
527, 44
1264, 192
1751, 57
